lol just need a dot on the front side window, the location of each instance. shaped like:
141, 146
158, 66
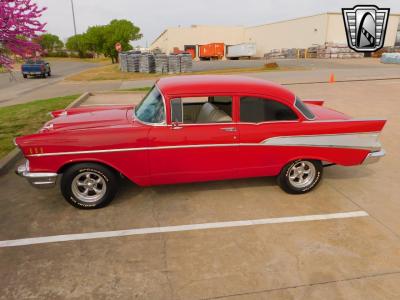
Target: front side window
257, 110
196, 110
151, 109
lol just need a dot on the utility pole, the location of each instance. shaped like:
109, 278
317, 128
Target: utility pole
73, 15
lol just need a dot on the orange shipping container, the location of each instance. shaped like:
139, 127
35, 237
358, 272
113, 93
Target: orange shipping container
214, 50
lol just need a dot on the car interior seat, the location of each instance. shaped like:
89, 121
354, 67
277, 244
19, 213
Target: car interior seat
209, 113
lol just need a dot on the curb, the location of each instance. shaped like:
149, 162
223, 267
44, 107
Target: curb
8, 161
80, 99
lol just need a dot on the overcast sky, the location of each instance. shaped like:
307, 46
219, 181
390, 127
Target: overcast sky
153, 16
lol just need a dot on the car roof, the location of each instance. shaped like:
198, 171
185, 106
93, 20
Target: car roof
208, 84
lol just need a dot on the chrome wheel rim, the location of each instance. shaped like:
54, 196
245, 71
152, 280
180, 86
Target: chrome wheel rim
89, 187
302, 174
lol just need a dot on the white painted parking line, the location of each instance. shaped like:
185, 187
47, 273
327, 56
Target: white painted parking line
178, 228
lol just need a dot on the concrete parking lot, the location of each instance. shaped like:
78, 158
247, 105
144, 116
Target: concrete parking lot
344, 258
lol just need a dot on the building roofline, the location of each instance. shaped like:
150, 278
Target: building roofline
304, 17
157, 38
255, 26
195, 26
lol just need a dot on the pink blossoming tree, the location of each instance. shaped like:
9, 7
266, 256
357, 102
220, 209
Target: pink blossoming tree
19, 25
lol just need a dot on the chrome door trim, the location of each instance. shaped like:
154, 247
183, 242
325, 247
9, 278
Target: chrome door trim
345, 140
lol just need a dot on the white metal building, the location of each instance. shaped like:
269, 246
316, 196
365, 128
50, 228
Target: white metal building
296, 33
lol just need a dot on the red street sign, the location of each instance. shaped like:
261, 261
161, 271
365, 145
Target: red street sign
118, 47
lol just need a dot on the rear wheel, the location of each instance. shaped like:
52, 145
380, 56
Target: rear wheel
25, 76
89, 185
300, 176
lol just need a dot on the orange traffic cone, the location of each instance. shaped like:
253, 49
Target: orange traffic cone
332, 78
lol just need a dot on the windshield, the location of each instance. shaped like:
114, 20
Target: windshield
151, 109
303, 109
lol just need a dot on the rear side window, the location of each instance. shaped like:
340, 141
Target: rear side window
303, 109
256, 110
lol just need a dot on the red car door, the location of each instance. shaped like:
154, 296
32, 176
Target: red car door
261, 118
194, 151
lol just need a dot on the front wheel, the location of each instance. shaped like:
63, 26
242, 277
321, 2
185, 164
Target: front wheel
89, 185
300, 176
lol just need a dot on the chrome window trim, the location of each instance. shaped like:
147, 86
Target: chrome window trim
294, 105
165, 112
345, 120
170, 105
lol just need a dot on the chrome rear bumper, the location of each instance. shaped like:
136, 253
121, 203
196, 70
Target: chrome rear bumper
39, 180
374, 157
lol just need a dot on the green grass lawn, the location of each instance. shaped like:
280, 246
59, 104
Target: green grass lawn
140, 89
26, 118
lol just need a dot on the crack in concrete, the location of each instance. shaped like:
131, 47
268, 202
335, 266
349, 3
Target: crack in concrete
369, 213
303, 285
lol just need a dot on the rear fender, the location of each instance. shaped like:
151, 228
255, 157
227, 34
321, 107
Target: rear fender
314, 101
340, 142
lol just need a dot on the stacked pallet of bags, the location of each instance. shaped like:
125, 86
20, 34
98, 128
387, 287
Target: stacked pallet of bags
123, 66
133, 60
161, 61
147, 63
185, 62
174, 63
335, 50
390, 58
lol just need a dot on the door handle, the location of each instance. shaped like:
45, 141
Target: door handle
175, 126
229, 129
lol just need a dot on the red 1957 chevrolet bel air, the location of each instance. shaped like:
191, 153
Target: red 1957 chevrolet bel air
195, 128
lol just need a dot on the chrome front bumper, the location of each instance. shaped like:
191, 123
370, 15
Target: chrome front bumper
374, 157
39, 180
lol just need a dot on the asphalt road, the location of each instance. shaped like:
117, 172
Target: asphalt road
344, 258
12, 87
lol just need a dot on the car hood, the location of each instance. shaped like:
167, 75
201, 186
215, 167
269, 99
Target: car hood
88, 117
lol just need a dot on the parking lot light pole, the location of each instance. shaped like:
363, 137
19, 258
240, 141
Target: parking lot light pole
73, 15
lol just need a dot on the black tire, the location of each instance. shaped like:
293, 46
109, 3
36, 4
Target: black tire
49, 73
289, 171
43, 75
71, 190
25, 76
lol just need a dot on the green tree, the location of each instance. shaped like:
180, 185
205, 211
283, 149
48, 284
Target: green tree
96, 38
101, 39
119, 31
50, 42
78, 43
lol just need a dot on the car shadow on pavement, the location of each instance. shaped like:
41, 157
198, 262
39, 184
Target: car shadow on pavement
129, 190
340, 172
